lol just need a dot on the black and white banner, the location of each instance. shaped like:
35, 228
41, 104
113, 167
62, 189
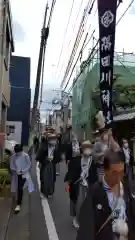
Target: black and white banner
107, 23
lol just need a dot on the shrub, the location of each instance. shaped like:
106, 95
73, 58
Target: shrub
4, 176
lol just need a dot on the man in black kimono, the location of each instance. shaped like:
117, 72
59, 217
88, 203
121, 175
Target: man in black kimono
108, 211
80, 176
48, 156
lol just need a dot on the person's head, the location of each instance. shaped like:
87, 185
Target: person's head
105, 135
96, 136
8, 152
125, 143
113, 167
43, 139
86, 148
74, 137
18, 148
52, 139
114, 146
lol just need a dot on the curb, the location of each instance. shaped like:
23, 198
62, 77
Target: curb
8, 220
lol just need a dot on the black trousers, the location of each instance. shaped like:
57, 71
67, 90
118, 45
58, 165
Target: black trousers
42, 168
47, 183
21, 182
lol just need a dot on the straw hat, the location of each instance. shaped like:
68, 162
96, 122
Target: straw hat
86, 143
52, 136
100, 120
97, 132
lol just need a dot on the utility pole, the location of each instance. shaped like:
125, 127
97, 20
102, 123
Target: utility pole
44, 37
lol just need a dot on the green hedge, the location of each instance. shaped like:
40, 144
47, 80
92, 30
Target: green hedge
4, 175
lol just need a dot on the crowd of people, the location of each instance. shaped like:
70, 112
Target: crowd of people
99, 181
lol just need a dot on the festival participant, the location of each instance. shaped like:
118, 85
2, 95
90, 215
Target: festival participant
128, 159
99, 150
72, 148
48, 157
108, 210
81, 174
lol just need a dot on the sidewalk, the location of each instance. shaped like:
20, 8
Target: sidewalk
18, 227
29, 224
5, 209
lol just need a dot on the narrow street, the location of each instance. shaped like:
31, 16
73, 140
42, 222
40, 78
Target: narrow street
67, 91
42, 219
59, 206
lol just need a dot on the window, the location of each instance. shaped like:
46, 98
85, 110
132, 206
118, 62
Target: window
10, 129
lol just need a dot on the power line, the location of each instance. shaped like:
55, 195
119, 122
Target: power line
73, 31
76, 43
95, 28
51, 12
98, 42
76, 62
76, 18
65, 35
90, 38
83, 47
43, 60
126, 11
87, 11
42, 77
44, 38
123, 64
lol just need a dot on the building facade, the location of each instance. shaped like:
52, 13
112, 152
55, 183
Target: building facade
57, 121
6, 49
18, 116
86, 94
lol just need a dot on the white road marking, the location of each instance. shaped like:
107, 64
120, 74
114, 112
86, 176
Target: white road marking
52, 233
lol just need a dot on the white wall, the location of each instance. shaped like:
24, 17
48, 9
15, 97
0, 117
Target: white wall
17, 134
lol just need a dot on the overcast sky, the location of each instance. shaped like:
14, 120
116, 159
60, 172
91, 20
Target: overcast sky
28, 19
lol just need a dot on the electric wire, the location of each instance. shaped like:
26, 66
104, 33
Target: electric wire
76, 61
76, 19
97, 44
65, 35
42, 78
90, 38
95, 28
87, 11
77, 40
123, 65
51, 12
43, 59
83, 47
125, 10
70, 39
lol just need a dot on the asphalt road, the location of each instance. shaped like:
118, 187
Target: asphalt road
59, 206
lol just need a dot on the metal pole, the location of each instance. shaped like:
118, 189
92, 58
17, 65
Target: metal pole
44, 37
